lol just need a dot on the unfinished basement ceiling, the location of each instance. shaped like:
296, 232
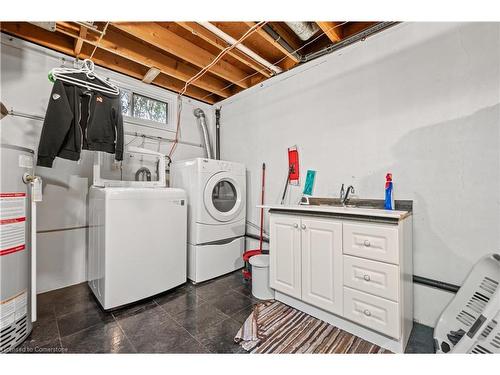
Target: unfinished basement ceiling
180, 50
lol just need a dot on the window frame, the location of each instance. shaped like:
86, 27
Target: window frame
169, 100
134, 98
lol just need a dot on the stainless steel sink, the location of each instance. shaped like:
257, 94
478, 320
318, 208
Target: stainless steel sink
335, 202
348, 205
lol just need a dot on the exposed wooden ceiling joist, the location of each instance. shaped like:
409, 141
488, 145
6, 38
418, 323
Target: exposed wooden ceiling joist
166, 40
214, 40
256, 43
64, 44
181, 49
79, 41
351, 28
151, 75
288, 35
138, 71
136, 51
331, 29
40, 36
274, 43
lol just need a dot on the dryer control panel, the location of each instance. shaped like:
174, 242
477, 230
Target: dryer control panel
214, 166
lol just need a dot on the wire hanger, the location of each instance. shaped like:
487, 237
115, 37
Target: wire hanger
100, 84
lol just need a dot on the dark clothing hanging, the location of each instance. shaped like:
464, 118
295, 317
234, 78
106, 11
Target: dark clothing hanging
78, 118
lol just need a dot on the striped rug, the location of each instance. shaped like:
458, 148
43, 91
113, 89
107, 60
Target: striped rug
274, 327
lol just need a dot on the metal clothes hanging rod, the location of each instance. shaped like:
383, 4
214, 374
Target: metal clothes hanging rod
14, 113
157, 138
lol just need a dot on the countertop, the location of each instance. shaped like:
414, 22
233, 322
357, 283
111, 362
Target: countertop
341, 211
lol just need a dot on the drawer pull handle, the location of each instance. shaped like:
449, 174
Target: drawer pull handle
367, 243
367, 312
295, 225
366, 277
303, 226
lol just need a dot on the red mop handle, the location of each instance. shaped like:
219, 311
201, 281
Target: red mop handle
262, 203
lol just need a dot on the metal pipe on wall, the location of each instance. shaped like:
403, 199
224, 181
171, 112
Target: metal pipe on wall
217, 133
435, 284
332, 47
14, 113
348, 41
200, 115
416, 279
161, 139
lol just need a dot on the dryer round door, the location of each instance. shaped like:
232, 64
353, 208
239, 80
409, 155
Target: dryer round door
222, 197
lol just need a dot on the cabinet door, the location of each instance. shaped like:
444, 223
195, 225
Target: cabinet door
322, 264
284, 252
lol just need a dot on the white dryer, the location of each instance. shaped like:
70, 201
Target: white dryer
216, 191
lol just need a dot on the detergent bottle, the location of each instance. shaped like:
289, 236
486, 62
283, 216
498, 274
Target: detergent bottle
389, 194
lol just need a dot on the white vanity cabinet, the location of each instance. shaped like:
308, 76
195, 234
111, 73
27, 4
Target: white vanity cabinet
349, 271
306, 260
285, 261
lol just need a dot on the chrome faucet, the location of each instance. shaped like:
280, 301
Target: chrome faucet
344, 194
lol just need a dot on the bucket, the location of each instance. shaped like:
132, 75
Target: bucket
260, 277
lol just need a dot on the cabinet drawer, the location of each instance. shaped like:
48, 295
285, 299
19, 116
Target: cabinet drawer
372, 241
373, 277
373, 312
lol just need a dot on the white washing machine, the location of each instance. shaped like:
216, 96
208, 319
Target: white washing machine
216, 191
137, 243
137, 230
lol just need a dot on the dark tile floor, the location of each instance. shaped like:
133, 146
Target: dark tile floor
201, 318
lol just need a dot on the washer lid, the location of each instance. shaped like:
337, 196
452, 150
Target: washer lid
223, 197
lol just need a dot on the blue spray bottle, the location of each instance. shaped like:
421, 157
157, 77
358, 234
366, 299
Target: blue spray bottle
389, 198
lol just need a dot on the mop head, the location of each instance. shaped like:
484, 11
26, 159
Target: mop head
247, 336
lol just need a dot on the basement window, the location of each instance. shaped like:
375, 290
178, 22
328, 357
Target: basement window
142, 107
126, 101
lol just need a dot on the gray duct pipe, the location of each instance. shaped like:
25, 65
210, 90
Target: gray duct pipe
200, 115
304, 30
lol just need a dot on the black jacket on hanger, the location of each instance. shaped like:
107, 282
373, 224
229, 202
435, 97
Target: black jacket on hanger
78, 118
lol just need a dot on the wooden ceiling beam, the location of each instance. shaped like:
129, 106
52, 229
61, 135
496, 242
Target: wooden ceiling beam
136, 51
331, 29
79, 41
138, 71
39, 36
274, 43
220, 43
64, 44
352, 28
172, 43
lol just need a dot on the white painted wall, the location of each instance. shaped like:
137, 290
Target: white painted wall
62, 216
420, 100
